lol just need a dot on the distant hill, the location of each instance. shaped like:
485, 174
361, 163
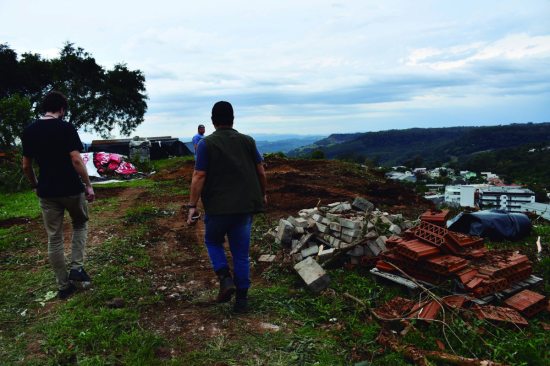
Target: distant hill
285, 145
427, 146
270, 143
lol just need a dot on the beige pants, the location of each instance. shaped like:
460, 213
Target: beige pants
53, 210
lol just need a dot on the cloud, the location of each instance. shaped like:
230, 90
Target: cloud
511, 47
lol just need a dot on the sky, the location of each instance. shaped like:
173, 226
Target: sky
309, 66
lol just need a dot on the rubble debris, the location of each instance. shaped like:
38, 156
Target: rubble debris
396, 308
433, 254
429, 311
362, 204
436, 217
528, 303
268, 258
422, 357
455, 301
284, 232
357, 230
428, 252
313, 274
499, 314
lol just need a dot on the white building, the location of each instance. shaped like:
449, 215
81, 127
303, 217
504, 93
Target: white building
463, 195
505, 198
435, 187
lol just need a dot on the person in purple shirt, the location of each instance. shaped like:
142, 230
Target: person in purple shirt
198, 137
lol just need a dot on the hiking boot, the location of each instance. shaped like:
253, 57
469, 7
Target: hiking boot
241, 301
79, 275
66, 292
227, 287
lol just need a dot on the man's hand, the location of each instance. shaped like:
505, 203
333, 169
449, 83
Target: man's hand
192, 216
265, 199
89, 192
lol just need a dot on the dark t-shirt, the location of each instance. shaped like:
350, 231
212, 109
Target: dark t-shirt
50, 142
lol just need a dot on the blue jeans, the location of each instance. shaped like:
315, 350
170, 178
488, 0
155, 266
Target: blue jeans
237, 228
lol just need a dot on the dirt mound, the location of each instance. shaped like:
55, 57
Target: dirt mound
296, 184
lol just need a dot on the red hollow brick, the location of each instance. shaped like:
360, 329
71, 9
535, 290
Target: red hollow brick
527, 302
499, 314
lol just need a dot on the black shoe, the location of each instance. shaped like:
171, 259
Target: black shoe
65, 293
79, 275
241, 301
227, 287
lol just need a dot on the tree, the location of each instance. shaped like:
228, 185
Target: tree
15, 114
99, 100
8, 76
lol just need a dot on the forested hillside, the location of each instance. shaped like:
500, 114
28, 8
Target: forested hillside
528, 164
428, 146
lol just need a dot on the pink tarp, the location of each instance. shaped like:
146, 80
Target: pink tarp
113, 164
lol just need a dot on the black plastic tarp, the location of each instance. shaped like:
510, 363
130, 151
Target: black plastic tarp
493, 224
161, 148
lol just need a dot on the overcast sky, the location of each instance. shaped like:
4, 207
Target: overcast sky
309, 67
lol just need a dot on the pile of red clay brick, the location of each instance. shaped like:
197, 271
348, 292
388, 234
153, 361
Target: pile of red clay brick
429, 252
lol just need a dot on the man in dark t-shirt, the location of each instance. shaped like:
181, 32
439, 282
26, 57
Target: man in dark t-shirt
63, 184
229, 178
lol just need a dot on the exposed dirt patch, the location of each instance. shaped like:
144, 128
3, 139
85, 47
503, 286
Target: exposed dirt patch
185, 172
14, 221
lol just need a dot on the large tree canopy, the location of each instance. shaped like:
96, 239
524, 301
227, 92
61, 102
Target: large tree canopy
99, 100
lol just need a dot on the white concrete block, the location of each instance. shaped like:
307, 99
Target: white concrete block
267, 258
285, 232
312, 250
395, 229
313, 274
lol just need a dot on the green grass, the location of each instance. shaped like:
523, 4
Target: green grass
134, 183
141, 214
160, 188
104, 205
21, 204
86, 334
172, 163
301, 348
14, 238
171, 187
86, 331
20, 296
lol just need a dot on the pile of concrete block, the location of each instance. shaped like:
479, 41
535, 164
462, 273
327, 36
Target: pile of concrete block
317, 234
